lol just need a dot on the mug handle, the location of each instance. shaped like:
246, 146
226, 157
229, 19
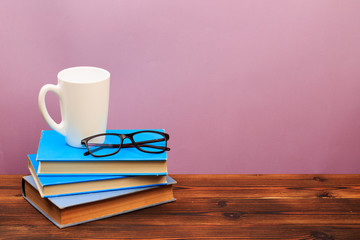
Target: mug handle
60, 128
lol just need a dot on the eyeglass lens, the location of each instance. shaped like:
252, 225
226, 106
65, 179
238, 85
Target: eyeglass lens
150, 141
104, 145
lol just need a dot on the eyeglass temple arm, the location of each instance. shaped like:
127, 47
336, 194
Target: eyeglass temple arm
101, 146
157, 147
126, 145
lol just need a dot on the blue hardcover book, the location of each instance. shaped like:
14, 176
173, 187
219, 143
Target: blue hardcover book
71, 210
56, 157
50, 186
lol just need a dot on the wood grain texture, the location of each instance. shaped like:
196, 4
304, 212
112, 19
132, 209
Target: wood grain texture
319, 207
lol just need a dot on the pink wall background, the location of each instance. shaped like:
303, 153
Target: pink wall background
241, 86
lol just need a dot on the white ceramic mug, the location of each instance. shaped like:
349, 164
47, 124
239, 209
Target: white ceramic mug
84, 101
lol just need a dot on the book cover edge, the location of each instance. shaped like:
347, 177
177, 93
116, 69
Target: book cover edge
170, 181
89, 220
94, 219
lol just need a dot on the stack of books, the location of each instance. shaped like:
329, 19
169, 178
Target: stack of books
69, 188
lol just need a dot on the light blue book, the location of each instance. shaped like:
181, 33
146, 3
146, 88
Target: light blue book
56, 157
50, 186
94, 206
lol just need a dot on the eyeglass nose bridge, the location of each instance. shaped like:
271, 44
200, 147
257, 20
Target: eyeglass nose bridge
123, 136
126, 136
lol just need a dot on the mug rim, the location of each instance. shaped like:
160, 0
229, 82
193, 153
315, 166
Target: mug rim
78, 77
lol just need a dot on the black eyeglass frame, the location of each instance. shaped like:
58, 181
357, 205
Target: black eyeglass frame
122, 137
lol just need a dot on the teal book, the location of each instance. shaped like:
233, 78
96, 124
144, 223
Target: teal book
56, 157
51, 186
66, 211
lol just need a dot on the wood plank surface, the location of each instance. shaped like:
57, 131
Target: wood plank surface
318, 207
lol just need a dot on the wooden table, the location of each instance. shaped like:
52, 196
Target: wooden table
212, 206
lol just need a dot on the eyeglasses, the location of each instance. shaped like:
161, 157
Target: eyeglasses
106, 144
